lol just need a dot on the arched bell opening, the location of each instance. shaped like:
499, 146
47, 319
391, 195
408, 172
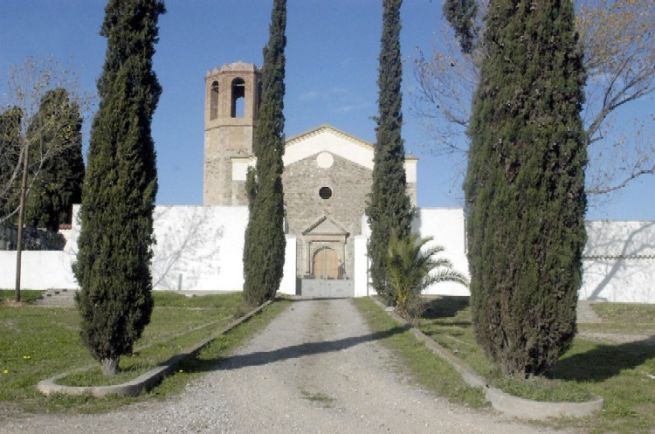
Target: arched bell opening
238, 98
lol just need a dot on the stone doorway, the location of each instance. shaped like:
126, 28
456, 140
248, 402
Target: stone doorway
325, 264
322, 251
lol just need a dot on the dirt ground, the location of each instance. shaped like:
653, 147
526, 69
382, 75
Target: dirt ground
315, 368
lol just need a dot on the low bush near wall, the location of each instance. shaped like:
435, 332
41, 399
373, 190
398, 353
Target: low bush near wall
622, 373
34, 239
27, 297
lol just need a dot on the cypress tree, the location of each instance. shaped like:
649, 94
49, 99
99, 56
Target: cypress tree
119, 188
389, 208
461, 16
251, 187
263, 254
525, 185
55, 132
10, 151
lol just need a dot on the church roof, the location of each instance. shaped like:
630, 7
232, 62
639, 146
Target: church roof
327, 138
323, 140
323, 128
238, 66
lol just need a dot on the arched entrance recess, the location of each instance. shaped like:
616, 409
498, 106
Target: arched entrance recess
325, 264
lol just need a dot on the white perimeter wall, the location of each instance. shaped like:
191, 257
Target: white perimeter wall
200, 248
446, 227
40, 270
618, 260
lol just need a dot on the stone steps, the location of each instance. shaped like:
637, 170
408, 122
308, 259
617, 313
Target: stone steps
324, 288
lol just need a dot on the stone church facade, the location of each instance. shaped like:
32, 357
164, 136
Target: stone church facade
327, 174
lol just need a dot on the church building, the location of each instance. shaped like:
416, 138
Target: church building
327, 174
327, 179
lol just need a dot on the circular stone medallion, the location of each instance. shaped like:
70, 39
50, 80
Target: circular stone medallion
324, 160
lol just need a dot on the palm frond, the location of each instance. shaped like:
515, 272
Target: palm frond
412, 267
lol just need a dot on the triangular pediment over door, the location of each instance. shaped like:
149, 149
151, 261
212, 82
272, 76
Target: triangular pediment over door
325, 226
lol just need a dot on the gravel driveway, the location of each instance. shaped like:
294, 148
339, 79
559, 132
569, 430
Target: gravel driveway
316, 368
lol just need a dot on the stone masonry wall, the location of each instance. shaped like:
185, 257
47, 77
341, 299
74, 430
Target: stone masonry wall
350, 184
222, 144
227, 137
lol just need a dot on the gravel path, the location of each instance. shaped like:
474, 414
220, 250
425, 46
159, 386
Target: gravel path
316, 368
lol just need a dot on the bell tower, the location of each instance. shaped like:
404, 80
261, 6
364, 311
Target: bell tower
231, 101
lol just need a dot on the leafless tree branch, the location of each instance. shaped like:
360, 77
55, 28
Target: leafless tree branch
618, 37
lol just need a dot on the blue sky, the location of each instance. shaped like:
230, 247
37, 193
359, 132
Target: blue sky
330, 77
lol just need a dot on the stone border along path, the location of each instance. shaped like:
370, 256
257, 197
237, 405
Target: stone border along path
145, 381
504, 402
316, 367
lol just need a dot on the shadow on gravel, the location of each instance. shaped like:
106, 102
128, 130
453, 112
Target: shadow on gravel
264, 357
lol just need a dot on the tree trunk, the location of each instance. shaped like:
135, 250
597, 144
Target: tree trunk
109, 366
21, 217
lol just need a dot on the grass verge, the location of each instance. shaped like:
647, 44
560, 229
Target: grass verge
623, 318
447, 320
623, 374
42, 342
427, 369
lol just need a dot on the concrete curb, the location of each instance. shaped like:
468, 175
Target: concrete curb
145, 381
501, 401
540, 410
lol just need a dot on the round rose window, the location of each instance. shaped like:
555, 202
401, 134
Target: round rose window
325, 192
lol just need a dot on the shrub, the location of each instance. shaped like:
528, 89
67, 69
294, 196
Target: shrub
412, 267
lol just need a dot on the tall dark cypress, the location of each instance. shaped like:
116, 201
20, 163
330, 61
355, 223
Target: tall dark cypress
119, 189
263, 255
525, 185
55, 140
461, 16
11, 143
389, 208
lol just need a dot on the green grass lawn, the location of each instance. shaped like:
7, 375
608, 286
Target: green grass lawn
427, 369
623, 318
618, 373
38, 342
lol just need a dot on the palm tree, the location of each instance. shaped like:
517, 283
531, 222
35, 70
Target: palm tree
411, 268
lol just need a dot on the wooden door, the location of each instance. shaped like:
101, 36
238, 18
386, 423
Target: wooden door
326, 264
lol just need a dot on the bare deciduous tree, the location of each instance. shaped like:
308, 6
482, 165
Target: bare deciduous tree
26, 86
618, 38
26, 146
